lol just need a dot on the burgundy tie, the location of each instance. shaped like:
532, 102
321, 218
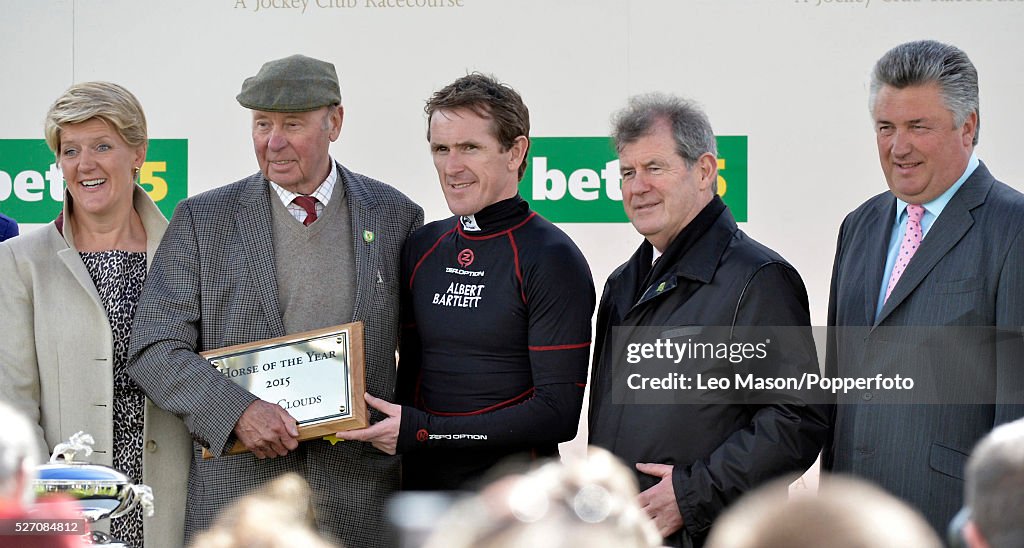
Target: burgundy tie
911, 241
309, 204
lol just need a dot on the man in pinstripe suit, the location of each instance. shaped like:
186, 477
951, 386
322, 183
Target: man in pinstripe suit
303, 244
927, 285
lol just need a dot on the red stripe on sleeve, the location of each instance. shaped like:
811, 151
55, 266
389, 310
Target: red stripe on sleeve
499, 405
559, 347
519, 273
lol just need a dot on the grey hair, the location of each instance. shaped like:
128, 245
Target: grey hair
994, 485
19, 453
325, 122
927, 62
691, 129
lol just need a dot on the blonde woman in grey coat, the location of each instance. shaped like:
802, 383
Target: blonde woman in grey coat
68, 298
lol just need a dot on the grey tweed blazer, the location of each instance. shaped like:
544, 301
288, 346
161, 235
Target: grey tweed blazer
213, 284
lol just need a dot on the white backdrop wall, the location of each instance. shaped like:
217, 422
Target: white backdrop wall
789, 74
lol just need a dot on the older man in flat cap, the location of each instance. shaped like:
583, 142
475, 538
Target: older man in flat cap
302, 244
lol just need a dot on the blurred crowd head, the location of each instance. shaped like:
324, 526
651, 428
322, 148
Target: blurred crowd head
584, 501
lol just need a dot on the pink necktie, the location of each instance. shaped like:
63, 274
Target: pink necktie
309, 204
911, 241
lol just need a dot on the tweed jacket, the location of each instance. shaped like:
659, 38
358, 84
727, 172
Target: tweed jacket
56, 358
213, 285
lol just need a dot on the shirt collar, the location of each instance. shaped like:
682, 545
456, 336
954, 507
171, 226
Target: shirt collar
936, 206
322, 193
655, 255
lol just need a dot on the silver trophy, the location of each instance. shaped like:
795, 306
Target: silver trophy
100, 491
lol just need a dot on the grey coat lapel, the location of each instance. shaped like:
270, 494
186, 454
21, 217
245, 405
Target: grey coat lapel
69, 253
365, 231
949, 228
879, 221
256, 229
74, 264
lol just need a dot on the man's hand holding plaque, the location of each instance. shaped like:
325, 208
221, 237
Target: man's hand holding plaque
267, 430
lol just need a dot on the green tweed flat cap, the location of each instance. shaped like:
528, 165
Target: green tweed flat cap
293, 84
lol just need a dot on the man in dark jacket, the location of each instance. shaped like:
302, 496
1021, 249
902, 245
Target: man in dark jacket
697, 280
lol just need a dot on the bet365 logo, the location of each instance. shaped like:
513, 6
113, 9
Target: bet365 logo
32, 189
576, 179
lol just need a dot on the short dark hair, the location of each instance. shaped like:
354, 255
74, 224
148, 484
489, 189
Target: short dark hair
930, 62
488, 98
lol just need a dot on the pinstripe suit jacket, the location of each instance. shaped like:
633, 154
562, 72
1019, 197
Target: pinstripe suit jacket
213, 284
965, 279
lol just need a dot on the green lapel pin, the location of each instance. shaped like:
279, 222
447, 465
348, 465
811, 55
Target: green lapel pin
661, 287
368, 236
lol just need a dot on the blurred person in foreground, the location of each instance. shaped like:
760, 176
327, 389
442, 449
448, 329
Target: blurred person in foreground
278, 515
994, 489
68, 299
18, 457
587, 502
845, 513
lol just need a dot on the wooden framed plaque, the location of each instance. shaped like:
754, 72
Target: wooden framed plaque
317, 376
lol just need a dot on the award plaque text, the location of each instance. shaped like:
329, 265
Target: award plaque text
317, 376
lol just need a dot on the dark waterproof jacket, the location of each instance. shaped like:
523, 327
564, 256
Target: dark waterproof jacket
709, 286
